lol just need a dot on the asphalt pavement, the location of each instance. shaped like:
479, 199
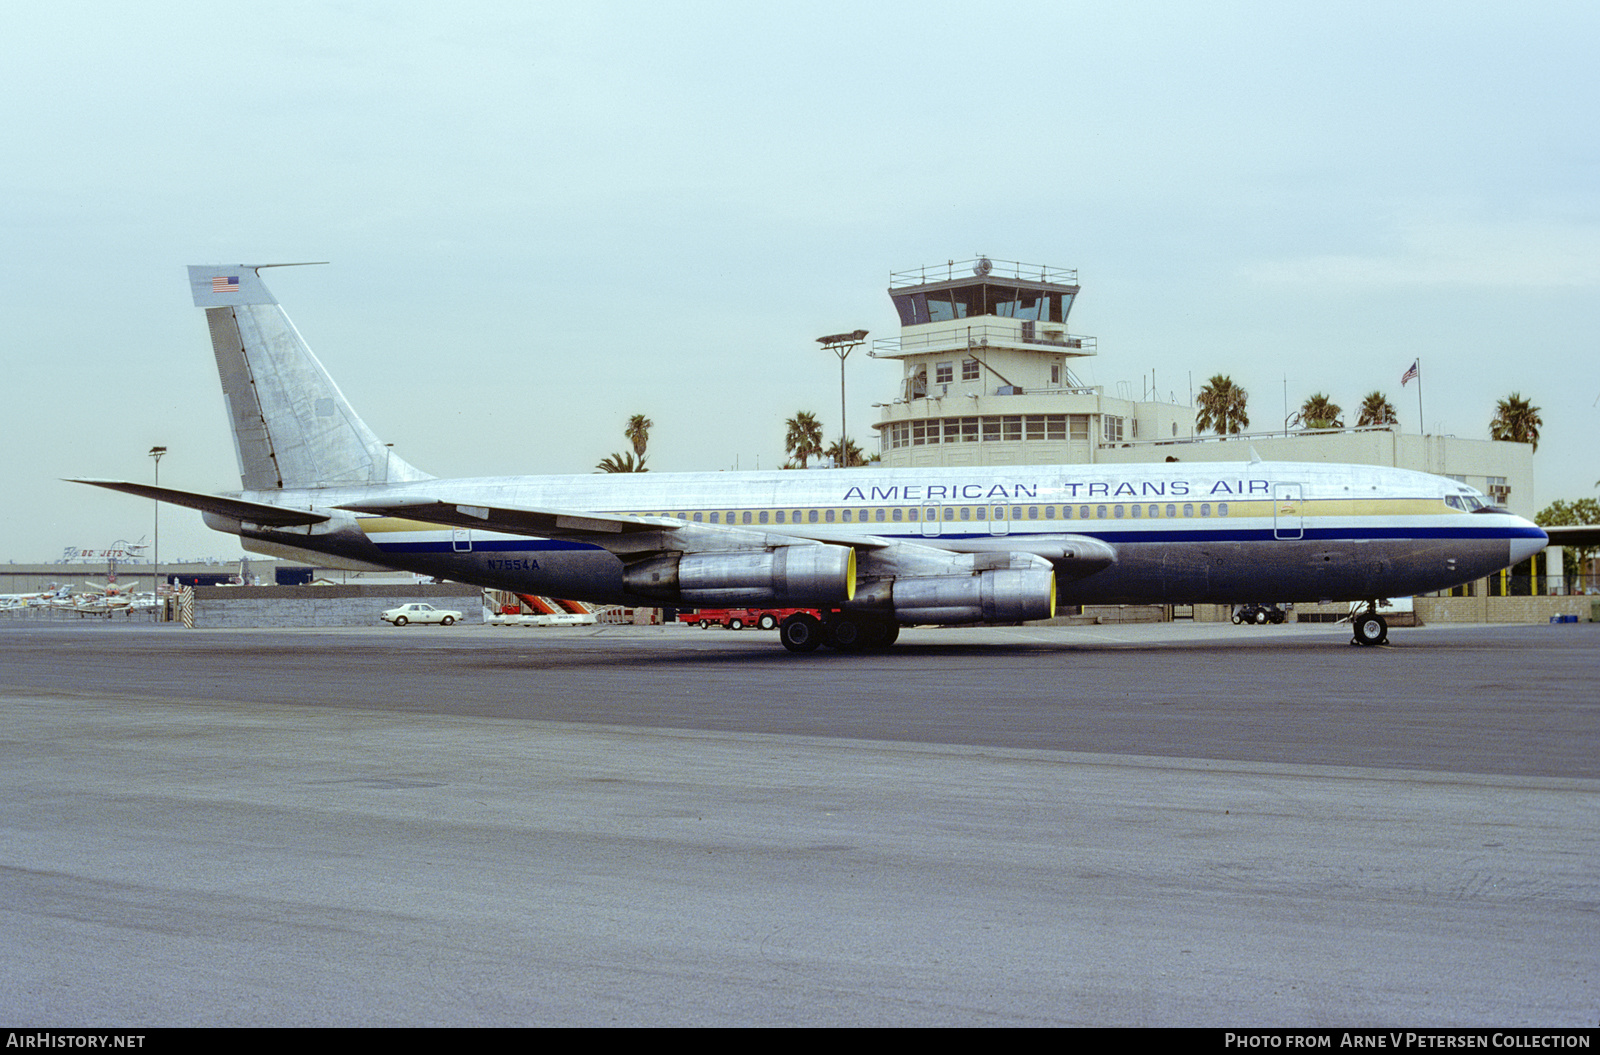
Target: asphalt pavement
1163, 825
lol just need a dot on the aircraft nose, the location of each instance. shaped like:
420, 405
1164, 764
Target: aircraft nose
1530, 539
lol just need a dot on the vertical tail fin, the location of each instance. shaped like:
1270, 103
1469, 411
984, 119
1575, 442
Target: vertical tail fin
292, 427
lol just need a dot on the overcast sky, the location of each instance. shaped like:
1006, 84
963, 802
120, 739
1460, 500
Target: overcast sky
543, 218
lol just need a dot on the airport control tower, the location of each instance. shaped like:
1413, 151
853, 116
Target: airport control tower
989, 375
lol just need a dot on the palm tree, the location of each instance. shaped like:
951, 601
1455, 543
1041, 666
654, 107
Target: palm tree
805, 436
621, 463
1222, 407
1320, 412
1517, 420
1582, 511
1377, 410
638, 433
851, 454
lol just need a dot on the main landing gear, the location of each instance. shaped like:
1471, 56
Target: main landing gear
841, 631
1369, 627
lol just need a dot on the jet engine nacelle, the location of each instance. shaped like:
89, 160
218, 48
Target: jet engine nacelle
1004, 595
790, 576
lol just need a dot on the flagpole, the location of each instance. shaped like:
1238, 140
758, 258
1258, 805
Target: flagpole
1405, 379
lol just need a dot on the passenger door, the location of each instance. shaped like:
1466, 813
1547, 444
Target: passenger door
1288, 514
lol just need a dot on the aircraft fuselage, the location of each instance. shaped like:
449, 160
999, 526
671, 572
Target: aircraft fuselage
1182, 533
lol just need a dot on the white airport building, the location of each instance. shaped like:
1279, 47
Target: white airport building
989, 378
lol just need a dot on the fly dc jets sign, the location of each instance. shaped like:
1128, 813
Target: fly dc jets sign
1069, 490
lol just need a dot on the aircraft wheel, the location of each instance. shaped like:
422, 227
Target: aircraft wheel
878, 634
846, 634
1371, 629
736, 624
768, 621
447, 620
400, 620
801, 632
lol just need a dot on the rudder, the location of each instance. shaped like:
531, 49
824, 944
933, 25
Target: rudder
292, 427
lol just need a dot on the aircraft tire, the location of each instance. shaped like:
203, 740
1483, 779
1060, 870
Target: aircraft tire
843, 633
878, 634
1370, 629
801, 632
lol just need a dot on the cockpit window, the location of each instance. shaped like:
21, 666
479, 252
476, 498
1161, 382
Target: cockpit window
1452, 501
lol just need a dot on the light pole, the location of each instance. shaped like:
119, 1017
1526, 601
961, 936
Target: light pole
155, 575
842, 344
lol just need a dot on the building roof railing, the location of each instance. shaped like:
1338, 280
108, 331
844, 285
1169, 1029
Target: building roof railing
1274, 434
916, 390
1006, 333
980, 267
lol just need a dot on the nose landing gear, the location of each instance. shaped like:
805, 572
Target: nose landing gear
1368, 627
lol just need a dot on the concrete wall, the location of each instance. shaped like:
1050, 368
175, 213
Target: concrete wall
283, 606
1428, 610
1502, 609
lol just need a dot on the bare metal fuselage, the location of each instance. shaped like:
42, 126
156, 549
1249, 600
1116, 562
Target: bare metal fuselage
1200, 533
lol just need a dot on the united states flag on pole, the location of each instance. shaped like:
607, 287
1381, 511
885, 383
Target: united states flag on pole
230, 284
1409, 374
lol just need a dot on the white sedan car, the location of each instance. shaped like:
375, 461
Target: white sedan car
417, 612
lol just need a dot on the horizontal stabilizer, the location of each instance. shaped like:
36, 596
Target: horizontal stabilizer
236, 508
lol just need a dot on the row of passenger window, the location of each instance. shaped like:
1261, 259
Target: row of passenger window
914, 514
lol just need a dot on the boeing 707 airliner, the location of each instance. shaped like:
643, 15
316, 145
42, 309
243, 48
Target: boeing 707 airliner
871, 549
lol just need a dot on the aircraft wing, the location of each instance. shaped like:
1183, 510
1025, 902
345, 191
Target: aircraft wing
1074, 556
610, 531
623, 535
235, 508
1576, 535
511, 520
